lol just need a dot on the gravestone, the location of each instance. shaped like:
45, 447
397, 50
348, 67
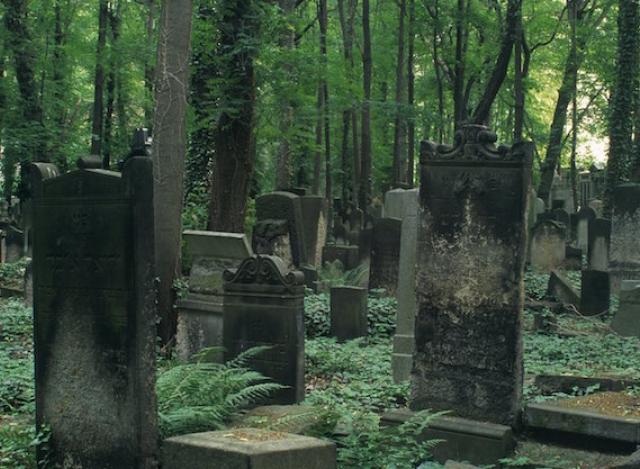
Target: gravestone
624, 253
471, 253
347, 255
95, 317
348, 313
264, 306
627, 319
200, 311
547, 245
572, 258
13, 244
385, 254
562, 216
585, 218
599, 239
398, 201
597, 206
404, 340
279, 229
594, 292
28, 284
32, 176
314, 216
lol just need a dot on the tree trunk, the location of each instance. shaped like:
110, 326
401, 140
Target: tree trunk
481, 114
411, 127
169, 149
365, 184
323, 18
234, 133
621, 119
317, 154
149, 71
59, 90
112, 82
459, 101
399, 133
519, 93
97, 124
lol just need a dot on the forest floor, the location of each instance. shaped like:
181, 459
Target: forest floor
354, 378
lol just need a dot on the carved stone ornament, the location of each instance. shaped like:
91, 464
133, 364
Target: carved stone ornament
264, 270
471, 143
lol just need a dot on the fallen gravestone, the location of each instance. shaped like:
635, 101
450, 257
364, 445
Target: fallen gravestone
200, 311
264, 306
348, 313
560, 288
94, 315
471, 254
627, 319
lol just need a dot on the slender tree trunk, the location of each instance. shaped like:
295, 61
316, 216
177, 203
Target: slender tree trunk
323, 18
482, 112
411, 128
317, 155
459, 102
399, 133
169, 149
149, 71
436, 30
112, 82
59, 89
621, 119
518, 86
97, 124
574, 108
234, 133
365, 187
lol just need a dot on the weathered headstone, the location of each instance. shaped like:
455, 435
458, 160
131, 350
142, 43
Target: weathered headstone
264, 306
28, 284
624, 260
95, 318
594, 292
385, 254
597, 206
347, 255
585, 218
404, 340
572, 258
627, 319
279, 229
562, 290
32, 176
200, 311
13, 244
348, 312
314, 216
547, 245
471, 253
599, 239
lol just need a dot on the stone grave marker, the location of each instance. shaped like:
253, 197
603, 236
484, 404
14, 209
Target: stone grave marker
594, 292
624, 253
95, 317
385, 254
264, 306
403, 340
547, 245
470, 270
349, 313
28, 284
627, 319
200, 311
599, 239
279, 229
597, 206
314, 216
585, 218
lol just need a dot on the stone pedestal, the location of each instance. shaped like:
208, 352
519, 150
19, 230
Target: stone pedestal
264, 306
349, 313
471, 250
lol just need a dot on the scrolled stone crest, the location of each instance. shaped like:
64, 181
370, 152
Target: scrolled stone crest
471, 143
264, 270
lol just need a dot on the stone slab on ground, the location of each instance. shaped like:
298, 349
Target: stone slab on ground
247, 449
550, 384
298, 419
464, 439
550, 416
542, 454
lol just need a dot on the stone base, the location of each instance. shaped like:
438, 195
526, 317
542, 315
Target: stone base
200, 326
465, 440
402, 358
247, 449
581, 423
617, 276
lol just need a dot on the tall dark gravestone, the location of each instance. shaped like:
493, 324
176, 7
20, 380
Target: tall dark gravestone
471, 254
385, 254
94, 314
264, 306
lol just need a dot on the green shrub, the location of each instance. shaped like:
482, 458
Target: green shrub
316, 315
201, 396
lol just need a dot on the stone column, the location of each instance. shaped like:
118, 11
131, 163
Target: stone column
471, 253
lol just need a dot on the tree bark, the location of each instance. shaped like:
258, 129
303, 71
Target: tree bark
519, 93
149, 71
365, 184
234, 133
619, 164
59, 89
399, 132
411, 126
323, 18
112, 82
97, 121
459, 102
169, 149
